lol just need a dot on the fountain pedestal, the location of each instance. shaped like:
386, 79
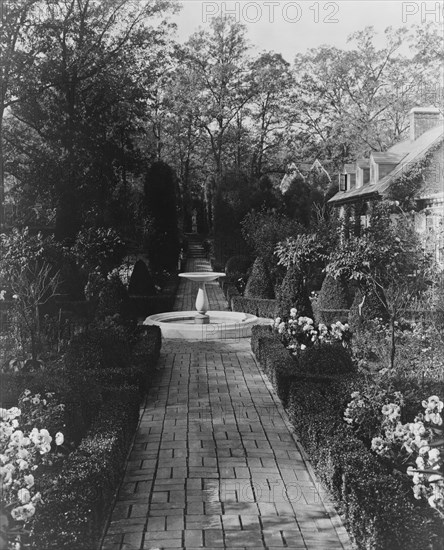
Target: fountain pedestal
202, 304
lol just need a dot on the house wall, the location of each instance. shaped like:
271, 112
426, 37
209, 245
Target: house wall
434, 174
429, 224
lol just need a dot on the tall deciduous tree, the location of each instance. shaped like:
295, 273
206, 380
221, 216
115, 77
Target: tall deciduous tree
18, 55
92, 102
269, 108
350, 102
218, 59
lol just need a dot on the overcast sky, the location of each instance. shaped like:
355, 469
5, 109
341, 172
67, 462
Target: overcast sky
288, 27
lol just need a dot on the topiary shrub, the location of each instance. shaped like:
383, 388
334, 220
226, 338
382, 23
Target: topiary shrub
160, 199
259, 283
238, 264
293, 293
141, 282
362, 311
334, 294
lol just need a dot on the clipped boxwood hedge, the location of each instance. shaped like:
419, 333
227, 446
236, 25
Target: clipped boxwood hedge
75, 508
255, 306
102, 395
376, 502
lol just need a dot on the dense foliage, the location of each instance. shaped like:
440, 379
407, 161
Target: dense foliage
259, 284
293, 293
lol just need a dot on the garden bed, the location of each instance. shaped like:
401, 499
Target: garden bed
375, 500
100, 381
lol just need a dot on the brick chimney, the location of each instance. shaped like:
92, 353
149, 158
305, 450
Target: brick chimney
423, 119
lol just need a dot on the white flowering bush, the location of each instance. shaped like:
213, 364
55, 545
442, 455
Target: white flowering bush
416, 447
366, 411
300, 332
420, 442
22, 452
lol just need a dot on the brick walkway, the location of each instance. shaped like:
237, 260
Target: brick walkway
214, 463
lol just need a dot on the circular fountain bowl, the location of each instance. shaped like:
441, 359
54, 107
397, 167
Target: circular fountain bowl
202, 276
223, 325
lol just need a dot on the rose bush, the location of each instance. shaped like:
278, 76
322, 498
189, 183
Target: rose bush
299, 333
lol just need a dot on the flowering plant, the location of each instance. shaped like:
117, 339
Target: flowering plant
421, 443
21, 454
368, 409
299, 333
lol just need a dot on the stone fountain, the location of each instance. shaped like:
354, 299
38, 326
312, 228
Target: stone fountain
203, 324
202, 304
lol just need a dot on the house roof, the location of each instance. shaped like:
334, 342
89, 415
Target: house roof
409, 152
302, 170
350, 168
388, 158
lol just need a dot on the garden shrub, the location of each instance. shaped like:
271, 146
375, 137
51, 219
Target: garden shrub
230, 290
238, 265
333, 299
161, 205
255, 306
377, 503
371, 309
293, 294
259, 284
379, 509
143, 306
141, 281
231, 202
113, 298
258, 332
106, 346
80, 392
76, 506
326, 359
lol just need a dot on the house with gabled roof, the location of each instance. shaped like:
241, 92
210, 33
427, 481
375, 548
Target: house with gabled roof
374, 178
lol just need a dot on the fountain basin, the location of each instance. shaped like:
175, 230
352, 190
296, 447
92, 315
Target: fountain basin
202, 276
222, 325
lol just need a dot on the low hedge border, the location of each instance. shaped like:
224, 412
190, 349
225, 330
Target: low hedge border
260, 307
143, 306
376, 502
102, 401
75, 509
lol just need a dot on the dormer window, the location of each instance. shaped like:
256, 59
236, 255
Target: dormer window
381, 164
342, 182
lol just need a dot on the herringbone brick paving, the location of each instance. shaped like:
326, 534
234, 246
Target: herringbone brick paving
214, 463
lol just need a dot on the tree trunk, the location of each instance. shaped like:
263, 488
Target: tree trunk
393, 344
2, 176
